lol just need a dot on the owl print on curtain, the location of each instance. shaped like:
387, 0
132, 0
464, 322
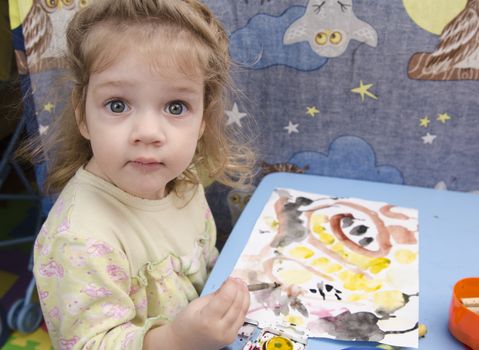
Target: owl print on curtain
457, 55
44, 32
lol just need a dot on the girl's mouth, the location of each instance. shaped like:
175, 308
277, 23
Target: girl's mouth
146, 165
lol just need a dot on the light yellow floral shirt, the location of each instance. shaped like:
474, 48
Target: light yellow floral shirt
109, 266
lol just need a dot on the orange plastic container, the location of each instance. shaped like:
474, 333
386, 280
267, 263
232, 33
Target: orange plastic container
464, 323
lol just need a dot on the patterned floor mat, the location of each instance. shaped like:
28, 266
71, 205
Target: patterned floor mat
34, 341
15, 277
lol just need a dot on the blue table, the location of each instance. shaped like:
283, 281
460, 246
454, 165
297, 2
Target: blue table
448, 238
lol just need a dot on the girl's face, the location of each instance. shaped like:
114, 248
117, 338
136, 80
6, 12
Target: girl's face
143, 123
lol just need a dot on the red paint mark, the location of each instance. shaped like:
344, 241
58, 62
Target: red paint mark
402, 235
386, 211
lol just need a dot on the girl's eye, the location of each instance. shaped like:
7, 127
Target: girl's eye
117, 106
176, 108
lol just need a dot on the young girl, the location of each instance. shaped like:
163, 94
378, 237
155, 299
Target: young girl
129, 242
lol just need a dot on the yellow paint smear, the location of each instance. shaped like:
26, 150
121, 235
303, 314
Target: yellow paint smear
297, 320
339, 248
375, 265
354, 298
326, 265
317, 222
322, 261
301, 252
326, 238
278, 343
378, 264
359, 260
388, 301
358, 281
295, 276
271, 222
330, 268
405, 256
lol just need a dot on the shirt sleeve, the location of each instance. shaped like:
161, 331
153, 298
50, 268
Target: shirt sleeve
84, 285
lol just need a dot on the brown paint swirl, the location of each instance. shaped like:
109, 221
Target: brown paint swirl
382, 238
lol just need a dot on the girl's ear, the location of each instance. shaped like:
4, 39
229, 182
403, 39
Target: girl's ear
202, 129
81, 122
76, 98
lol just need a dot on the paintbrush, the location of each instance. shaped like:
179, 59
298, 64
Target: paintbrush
261, 286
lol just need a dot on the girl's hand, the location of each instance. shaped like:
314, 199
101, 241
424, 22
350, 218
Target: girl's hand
212, 322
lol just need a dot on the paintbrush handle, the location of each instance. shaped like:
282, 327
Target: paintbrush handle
261, 286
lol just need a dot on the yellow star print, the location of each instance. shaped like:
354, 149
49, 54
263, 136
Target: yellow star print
443, 118
424, 122
312, 111
48, 107
364, 90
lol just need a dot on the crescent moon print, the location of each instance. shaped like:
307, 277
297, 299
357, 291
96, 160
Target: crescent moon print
457, 55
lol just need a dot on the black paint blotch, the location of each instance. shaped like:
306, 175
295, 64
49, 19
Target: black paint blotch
365, 241
346, 221
361, 326
297, 305
293, 226
322, 294
303, 201
358, 230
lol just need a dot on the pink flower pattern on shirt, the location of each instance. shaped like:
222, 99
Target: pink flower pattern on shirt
51, 269
116, 273
77, 256
64, 227
46, 248
54, 313
133, 290
58, 207
115, 310
142, 305
95, 291
97, 248
67, 344
127, 340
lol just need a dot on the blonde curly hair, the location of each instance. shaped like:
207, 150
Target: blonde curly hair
199, 44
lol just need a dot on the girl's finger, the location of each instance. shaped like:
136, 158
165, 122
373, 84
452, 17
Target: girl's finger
235, 314
221, 300
244, 310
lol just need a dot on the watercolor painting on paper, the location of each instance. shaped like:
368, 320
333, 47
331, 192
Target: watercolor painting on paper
347, 268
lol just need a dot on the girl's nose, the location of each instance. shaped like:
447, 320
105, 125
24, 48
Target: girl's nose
148, 128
